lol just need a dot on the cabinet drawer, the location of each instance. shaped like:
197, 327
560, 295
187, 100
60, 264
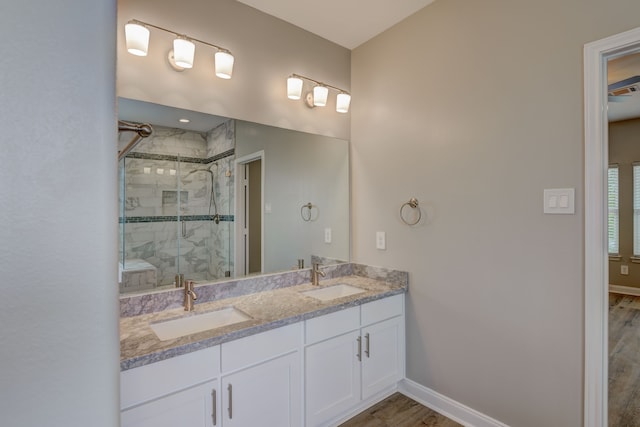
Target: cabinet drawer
385, 308
331, 325
158, 379
258, 348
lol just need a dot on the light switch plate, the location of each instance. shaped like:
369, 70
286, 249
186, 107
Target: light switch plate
559, 201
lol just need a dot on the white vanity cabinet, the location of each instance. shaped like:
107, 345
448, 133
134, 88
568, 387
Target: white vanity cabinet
264, 381
193, 407
181, 391
352, 355
350, 359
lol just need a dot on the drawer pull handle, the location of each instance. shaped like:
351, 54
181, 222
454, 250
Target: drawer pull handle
359, 355
214, 412
366, 347
230, 388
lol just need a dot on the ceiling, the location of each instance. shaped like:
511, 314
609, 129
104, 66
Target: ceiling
135, 111
621, 69
348, 23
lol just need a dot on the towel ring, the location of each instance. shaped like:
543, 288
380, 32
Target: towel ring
308, 206
412, 203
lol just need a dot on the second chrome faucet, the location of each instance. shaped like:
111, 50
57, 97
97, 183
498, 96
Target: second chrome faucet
189, 295
315, 273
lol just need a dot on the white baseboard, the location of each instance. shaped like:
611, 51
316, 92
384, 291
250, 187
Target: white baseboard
625, 290
446, 406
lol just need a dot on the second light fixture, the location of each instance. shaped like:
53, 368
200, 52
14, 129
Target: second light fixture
137, 39
319, 96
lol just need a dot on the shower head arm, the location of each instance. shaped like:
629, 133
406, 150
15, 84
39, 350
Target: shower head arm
142, 130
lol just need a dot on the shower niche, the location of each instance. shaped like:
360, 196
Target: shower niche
176, 202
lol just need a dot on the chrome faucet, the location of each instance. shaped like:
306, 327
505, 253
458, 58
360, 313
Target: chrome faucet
189, 295
315, 272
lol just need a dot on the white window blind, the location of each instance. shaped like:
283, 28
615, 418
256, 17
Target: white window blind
613, 222
636, 209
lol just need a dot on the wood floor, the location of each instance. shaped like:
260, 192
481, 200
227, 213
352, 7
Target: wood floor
624, 380
399, 411
624, 361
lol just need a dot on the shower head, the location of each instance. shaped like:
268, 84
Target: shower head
212, 199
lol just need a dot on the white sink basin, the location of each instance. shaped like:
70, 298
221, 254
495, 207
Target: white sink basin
188, 325
333, 292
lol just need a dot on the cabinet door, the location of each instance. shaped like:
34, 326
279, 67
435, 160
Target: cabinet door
268, 394
332, 374
382, 355
193, 407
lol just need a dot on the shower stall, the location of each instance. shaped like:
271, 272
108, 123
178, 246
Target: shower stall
176, 207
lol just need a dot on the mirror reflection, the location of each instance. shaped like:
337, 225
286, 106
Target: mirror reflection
207, 198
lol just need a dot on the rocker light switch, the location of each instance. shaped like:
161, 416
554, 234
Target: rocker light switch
559, 201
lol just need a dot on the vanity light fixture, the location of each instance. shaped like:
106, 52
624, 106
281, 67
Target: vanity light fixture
294, 87
317, 97
320, 94
183, 53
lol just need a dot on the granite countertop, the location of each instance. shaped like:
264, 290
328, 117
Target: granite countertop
268, 310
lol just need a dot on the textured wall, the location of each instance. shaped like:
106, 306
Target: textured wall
475, 108
59, 299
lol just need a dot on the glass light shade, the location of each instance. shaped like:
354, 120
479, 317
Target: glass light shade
183, 52
342, 102
320, 94
294, 88
137, 38
224, 64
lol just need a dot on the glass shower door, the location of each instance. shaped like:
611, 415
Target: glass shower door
148, 218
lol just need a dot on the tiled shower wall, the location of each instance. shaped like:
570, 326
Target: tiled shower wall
168, 218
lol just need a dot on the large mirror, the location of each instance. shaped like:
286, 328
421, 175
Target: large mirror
210, 198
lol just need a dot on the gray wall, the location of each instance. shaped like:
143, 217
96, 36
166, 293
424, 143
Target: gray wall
58, 198
624, 149
474, 109
267, 50
300, 168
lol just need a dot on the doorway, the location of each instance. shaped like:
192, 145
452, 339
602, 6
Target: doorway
596, 56
249, 245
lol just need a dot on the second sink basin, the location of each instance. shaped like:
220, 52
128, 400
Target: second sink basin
333, 292
188, 325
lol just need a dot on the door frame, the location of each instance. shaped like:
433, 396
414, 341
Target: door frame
596, 268
239, 255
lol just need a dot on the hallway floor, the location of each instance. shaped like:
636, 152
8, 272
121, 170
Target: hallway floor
399, 411
624, 361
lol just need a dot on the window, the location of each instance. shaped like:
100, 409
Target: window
613, 221
636, 209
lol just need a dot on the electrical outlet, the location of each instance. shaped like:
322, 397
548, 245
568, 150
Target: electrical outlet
381, 240
624, 270
327, 235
